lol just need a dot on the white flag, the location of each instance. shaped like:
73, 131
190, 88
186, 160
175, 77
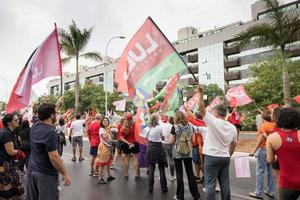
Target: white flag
242, 167
120, 105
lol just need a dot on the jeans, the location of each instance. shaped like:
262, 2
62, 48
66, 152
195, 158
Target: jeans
190, 176
216, 167
162, 175
260, 173
42, 186
168, 152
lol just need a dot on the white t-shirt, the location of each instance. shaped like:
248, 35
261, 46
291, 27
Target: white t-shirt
155, 134
220, 134
77, 127
166, 131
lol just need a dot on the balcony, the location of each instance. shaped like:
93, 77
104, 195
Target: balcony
229, 50
232, 62
231, 76
194, 69
192, 58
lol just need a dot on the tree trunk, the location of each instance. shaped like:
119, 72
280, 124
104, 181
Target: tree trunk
285, 80
77, 87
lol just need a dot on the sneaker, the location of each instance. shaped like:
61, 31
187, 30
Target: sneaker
175, 197
270, 194
217, 189
110, 178
91, 173
96, 174
101, 181
254, 195
114, 166
172, 178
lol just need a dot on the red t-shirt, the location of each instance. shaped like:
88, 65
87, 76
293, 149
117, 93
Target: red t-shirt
197, 138
130, 136
289, 158
234, 118
93, 133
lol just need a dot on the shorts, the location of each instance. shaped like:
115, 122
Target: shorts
119, 145
94, 151
75, 140
196, 156
133, 150
238, 126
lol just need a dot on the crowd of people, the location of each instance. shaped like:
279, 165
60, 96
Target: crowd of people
202, 141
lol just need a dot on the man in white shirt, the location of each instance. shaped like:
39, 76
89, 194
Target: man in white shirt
76, 133
219, 144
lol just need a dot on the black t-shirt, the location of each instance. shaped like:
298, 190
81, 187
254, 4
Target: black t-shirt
5, 136
43, 139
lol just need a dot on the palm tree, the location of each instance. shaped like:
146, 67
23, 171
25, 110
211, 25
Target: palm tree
72, 43
280, 29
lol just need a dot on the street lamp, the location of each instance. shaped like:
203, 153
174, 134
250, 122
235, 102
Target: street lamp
106, 63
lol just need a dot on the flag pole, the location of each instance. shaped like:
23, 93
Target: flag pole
174, 49
60, 63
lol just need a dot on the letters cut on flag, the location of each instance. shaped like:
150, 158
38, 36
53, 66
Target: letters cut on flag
147, 59
237, 96
214, 102
120, 105
44, 62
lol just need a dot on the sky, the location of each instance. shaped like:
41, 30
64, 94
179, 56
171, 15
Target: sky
25, 24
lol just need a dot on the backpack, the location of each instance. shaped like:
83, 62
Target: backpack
61, 137
183, 143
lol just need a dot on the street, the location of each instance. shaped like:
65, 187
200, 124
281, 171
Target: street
84, 186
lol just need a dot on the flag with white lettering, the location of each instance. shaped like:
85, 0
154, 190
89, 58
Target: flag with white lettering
120, 105
148, 58
237, 96
214, 102
44, 62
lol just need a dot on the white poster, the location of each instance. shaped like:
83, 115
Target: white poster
242, 167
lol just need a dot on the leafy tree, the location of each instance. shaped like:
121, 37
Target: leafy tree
266, 88
44, 99
212, 91
92, 96
73, 42
2, 106
282, 27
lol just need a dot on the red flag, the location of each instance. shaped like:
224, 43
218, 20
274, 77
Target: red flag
192, 102
169, 88
272, 106
214, 102
237, 96
44, 62
147, 59
140, 124
297, 99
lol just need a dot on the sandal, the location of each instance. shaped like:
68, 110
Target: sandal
81, 159
73, 159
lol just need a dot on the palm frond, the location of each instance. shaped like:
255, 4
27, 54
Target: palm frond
66, 60
96, 56
263, 34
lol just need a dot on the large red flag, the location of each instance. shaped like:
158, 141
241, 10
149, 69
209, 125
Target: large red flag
147, 59
237, 96
44, 62
297, 99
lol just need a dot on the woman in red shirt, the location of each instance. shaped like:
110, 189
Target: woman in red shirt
130, 146
285, 144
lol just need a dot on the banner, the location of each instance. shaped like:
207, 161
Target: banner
214, 102
44, 62
237, 96
192, 102
120, 105
147, 59
242, 167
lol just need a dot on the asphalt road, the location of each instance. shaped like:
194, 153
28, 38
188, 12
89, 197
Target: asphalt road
86, 187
